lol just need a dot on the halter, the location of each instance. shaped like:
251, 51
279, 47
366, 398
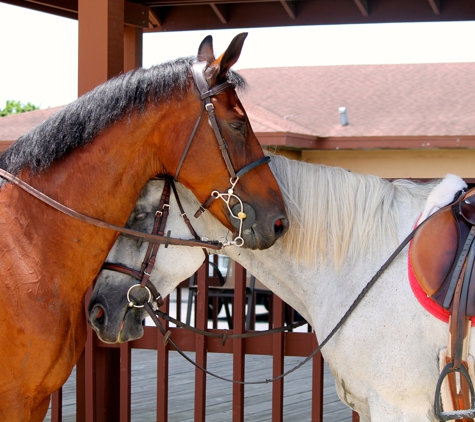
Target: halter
143, 275
237, 211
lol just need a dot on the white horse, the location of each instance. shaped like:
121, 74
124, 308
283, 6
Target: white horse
343, 227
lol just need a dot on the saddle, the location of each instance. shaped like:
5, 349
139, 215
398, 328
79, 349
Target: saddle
440, 249
443, 256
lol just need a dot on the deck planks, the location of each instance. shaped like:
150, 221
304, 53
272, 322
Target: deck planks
297, 394
258, 398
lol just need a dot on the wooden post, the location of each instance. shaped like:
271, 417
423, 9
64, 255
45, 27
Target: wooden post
163, 368
239, 319
101, 42
278, 361
201, 349
317, 385
133, 46
57, 406
125, 389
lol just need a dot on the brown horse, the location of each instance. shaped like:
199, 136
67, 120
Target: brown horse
94, 156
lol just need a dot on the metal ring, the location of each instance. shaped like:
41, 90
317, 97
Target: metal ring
236, 243
150, 297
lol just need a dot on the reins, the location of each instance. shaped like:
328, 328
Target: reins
224, 336
164, 240
205, 94
153, 314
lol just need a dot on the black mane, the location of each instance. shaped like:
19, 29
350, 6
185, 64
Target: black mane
82, 120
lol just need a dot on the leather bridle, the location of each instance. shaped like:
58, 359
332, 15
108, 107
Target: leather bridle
237, 211
160, 221
161, 215
158, 236
206, 94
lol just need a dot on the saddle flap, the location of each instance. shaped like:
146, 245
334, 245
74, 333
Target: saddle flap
433, 250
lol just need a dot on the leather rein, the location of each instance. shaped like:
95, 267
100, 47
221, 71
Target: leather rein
152, 306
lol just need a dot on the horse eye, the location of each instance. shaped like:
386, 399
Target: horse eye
240, 127
140, 216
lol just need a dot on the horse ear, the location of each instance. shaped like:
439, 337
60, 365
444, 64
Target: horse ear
205, 51
230, 56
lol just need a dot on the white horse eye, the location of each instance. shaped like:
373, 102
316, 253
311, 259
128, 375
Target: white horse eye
140, 216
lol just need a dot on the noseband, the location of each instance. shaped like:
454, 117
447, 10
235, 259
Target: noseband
237, 212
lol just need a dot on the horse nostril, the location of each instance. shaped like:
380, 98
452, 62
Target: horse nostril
280, 226
99, 315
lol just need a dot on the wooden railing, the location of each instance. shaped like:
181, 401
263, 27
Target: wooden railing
104, 371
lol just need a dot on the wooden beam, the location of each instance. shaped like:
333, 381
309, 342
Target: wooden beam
221, 11
65, 5
363, 7
136, 15
64, 12
133, 46
154, 19
290, 8
435, 5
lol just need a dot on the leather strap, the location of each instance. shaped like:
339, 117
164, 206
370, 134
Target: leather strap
157, 297
166, 240
205, 205
205, 94
161, 217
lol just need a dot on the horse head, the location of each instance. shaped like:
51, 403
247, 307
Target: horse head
109, 312
236, 185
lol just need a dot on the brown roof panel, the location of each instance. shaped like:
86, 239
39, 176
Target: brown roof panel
381, 100
15, 125
388, 106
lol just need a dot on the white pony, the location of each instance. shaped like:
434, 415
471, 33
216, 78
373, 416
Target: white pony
343, 227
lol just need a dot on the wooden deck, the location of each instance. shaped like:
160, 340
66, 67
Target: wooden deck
297, 400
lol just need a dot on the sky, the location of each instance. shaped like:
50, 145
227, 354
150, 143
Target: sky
38, 52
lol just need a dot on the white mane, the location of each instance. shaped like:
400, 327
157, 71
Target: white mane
340, 215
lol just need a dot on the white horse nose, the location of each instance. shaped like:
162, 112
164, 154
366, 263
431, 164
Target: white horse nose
97, 317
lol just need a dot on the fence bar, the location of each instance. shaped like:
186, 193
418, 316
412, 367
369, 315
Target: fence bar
57, 406
317, 385
125, 382
239, 319
162, 369
201, 353
278, 362
90, 358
